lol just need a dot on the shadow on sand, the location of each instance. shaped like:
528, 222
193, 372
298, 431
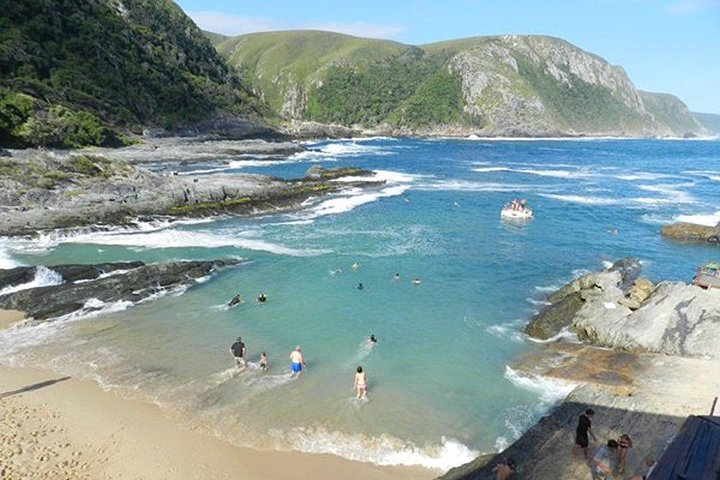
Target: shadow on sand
34, 386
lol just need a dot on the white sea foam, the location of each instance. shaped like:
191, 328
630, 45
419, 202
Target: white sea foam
547, 288
556, 173
350, 199
508, 330
671, 192
340, 149
43, 277
549, 390
381, 450
564, 335
170, 238
583, 200
470, 186
709, 174
539, 303
643, 176
6, 260
709, 219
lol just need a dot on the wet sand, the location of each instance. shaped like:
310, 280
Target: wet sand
56, 427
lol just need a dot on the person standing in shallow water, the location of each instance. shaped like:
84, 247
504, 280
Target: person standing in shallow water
360, 383
297, 362
238, 351
584, 428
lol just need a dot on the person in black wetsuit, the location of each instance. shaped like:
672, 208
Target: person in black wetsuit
584, 428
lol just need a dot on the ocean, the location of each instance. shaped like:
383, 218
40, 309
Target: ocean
441, 386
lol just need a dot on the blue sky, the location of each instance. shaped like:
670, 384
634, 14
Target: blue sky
668, 46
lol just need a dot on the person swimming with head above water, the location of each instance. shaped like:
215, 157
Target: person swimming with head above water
396, 277
236, 300
373, 340
262, 298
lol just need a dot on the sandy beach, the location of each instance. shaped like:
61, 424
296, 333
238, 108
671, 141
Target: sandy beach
56, 427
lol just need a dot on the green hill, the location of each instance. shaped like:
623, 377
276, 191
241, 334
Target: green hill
501, 85
76, 72
668, 109
710, 121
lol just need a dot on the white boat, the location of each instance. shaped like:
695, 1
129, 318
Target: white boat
516, 211
512, 214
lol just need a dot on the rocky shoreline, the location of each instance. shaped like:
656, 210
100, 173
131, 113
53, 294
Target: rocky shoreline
692, 232
51, 190
88, 288
659, 343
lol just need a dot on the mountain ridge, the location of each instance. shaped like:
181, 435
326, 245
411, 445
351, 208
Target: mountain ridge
518, 85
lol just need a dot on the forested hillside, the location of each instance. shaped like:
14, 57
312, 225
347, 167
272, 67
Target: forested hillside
78, 72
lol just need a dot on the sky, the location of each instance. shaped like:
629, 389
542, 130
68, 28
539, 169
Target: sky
670, 46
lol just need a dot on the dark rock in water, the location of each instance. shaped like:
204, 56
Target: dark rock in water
555, 317
69, 273
690, 232
316, 172
134, 285
73, 273
567, 301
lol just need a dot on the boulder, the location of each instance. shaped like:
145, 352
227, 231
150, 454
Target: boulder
132, 285
691, 232
641, 289
566, 302
677, 319
553, 318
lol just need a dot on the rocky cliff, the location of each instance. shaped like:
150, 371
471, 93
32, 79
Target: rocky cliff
502, 85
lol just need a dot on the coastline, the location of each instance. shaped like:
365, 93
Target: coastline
647, 396
53, 425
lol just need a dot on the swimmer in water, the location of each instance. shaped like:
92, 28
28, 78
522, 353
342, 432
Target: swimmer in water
416, 281
397, 277
336, 271
234, 301
355, 265
360, 383
263, 361
372, 339
360, 286
262, 298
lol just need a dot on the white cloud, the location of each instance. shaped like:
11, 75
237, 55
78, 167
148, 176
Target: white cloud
691, 6
230, 24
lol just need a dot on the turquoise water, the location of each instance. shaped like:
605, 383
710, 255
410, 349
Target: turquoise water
440, 389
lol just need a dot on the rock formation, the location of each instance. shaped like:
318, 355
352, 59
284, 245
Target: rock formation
692, 232
670, 318
139, 282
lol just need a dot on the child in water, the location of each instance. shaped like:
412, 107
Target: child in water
360, 383
263, 361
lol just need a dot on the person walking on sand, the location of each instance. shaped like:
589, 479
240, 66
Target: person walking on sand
584, 428
360, 383
238, 351
297, 362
